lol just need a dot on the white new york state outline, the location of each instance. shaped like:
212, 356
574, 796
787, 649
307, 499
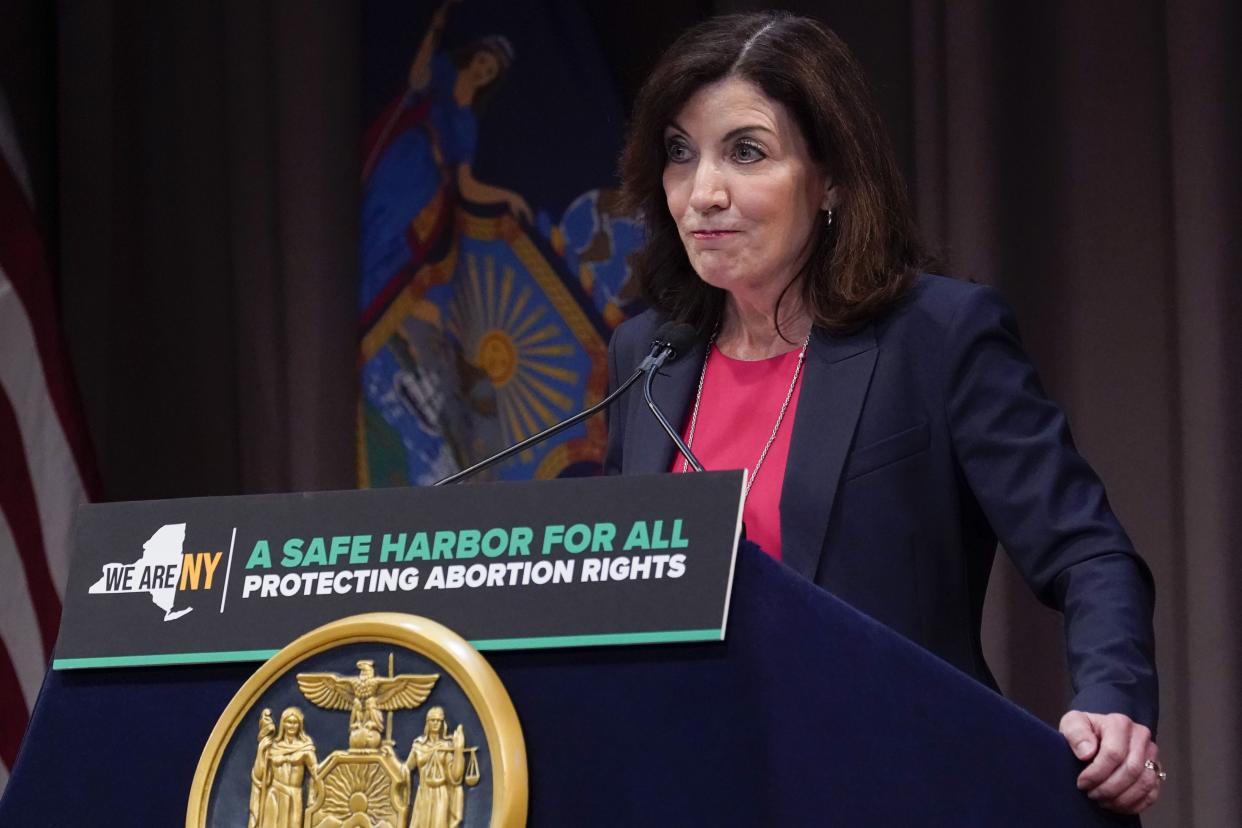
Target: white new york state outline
164, 548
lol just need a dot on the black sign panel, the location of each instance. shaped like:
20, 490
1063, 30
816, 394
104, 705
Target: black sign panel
615, 560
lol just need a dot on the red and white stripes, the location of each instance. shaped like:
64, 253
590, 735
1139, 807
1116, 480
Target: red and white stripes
43, 452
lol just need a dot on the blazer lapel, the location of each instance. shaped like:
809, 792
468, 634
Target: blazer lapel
836, 376
648, 449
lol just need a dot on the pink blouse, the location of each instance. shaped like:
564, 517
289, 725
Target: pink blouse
739, 405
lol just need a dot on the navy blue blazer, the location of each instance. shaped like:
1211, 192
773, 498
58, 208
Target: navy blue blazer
918, 442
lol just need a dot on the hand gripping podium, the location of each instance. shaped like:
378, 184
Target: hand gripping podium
808, 713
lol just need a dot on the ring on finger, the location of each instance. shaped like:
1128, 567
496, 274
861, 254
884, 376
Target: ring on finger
1153, 765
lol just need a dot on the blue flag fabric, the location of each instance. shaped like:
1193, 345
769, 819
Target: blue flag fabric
493, 259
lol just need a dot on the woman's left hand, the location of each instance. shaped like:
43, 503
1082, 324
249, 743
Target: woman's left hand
1119, 750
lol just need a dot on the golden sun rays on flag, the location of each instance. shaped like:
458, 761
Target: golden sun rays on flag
520, 343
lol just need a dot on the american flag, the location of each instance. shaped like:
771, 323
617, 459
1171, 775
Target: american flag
46, 467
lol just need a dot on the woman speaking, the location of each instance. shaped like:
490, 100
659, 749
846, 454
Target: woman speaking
891, 426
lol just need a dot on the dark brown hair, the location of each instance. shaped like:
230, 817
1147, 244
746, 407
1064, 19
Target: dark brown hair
499, 47
856, 268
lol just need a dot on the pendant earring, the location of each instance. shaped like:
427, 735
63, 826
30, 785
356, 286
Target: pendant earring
831, 216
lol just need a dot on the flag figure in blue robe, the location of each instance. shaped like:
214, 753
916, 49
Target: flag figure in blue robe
481, 321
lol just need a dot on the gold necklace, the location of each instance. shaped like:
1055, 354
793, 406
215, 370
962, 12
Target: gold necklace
698, 396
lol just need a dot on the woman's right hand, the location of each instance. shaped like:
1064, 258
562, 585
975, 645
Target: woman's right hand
440, 16
519, 207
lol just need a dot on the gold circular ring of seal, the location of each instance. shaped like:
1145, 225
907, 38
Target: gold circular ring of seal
367, 783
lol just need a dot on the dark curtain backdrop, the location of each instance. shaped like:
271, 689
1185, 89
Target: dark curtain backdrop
1082, 157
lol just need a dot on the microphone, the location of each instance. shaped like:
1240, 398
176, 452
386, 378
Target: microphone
668, 342
669, 339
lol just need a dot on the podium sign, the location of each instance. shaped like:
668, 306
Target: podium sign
574, 562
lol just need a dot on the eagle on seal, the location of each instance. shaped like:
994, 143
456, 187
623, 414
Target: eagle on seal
366, 696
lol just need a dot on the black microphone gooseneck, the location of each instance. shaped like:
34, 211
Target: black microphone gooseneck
661, 352
673, 339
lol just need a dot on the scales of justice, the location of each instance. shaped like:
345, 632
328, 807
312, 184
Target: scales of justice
366, 786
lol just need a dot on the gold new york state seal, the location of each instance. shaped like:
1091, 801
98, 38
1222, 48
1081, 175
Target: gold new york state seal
367, 783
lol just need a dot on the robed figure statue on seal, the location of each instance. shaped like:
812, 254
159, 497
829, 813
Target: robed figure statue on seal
440, 762
283, 759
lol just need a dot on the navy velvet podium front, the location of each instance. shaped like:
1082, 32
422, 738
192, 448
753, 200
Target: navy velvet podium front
808, 714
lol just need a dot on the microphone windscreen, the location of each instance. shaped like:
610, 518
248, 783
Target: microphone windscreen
677, 337
660, 337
